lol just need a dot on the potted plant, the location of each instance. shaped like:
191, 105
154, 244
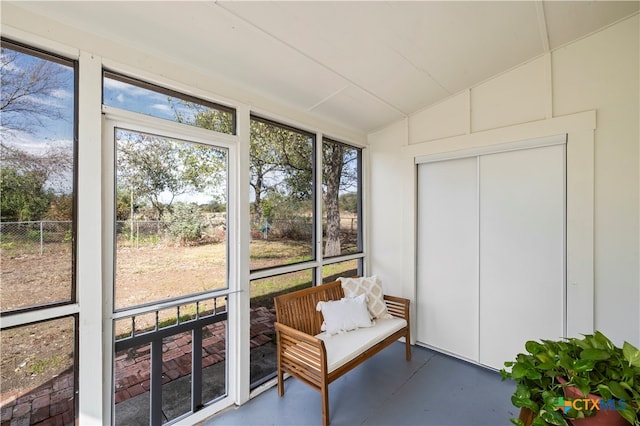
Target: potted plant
555, 378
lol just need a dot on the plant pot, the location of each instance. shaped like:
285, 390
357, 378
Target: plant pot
526, 416
602, 417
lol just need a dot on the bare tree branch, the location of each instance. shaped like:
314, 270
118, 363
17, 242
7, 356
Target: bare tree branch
26, 91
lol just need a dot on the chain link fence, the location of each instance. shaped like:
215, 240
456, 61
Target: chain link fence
148, 233
140, 233
299, 228
34, 237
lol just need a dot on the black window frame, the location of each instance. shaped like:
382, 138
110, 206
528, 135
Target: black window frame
314, 180
106, 73
73, 64
359, 174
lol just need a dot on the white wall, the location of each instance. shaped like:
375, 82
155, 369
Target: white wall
389, 257
549, 94
602, 73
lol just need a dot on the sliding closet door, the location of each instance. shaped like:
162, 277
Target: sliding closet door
522, 262
447, 264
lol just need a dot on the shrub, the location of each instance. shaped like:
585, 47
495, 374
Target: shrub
185, 223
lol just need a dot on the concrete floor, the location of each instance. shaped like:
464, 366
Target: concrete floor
431, 389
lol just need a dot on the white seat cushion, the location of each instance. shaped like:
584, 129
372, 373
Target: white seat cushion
345, 346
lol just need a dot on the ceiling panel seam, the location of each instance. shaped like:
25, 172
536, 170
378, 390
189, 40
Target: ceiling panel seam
542, 25
326, 98
311, 58
421, 70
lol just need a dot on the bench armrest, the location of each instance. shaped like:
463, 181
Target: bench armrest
397, 306
301, 354
297, 334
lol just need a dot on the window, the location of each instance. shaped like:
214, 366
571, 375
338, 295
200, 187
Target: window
262, 331
282, 194
38, 372
171, 201
342, 196
332, 271
171, 196
138, 96
37, 186
284, 213
37, 235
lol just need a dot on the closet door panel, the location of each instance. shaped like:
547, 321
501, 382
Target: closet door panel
447, 264
522, 220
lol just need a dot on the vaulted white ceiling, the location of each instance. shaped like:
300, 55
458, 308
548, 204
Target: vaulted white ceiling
361, 64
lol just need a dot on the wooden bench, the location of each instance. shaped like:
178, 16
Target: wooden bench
304, 356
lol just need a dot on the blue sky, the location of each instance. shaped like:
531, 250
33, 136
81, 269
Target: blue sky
38, 136
138, 99
49, 131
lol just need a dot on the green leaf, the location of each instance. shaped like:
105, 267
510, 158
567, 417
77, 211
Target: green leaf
631, 354
635, 392
517, 422
618, 391
533, 374
553, 417
582, 365
629, 415
595, 354
583, 384
544, 357
518, 371
533, 347
603, 341
523, 402
546, 366
604, 392
522, 391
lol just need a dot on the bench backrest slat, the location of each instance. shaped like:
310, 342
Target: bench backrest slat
298, 309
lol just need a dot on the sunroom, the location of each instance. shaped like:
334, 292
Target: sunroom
169, 167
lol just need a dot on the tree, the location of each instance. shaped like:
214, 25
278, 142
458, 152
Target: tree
33, 178
339, 173
55, 164
24, 86
281, 167
349, 202
159, 169
333, 163
22, 195
60, 208
202, 116
279, 163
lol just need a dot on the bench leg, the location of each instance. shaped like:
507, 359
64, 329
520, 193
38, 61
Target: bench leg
324, 391
280, 372
280, 381
407, 342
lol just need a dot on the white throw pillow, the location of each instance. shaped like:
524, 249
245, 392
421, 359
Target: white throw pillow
344, 315
371, 287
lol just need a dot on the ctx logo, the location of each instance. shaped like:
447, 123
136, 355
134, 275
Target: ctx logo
581, 404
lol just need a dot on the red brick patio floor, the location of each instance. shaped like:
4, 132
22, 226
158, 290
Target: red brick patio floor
52, 403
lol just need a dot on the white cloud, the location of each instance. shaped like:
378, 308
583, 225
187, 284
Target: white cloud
34, 144
61, 94
161, 107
